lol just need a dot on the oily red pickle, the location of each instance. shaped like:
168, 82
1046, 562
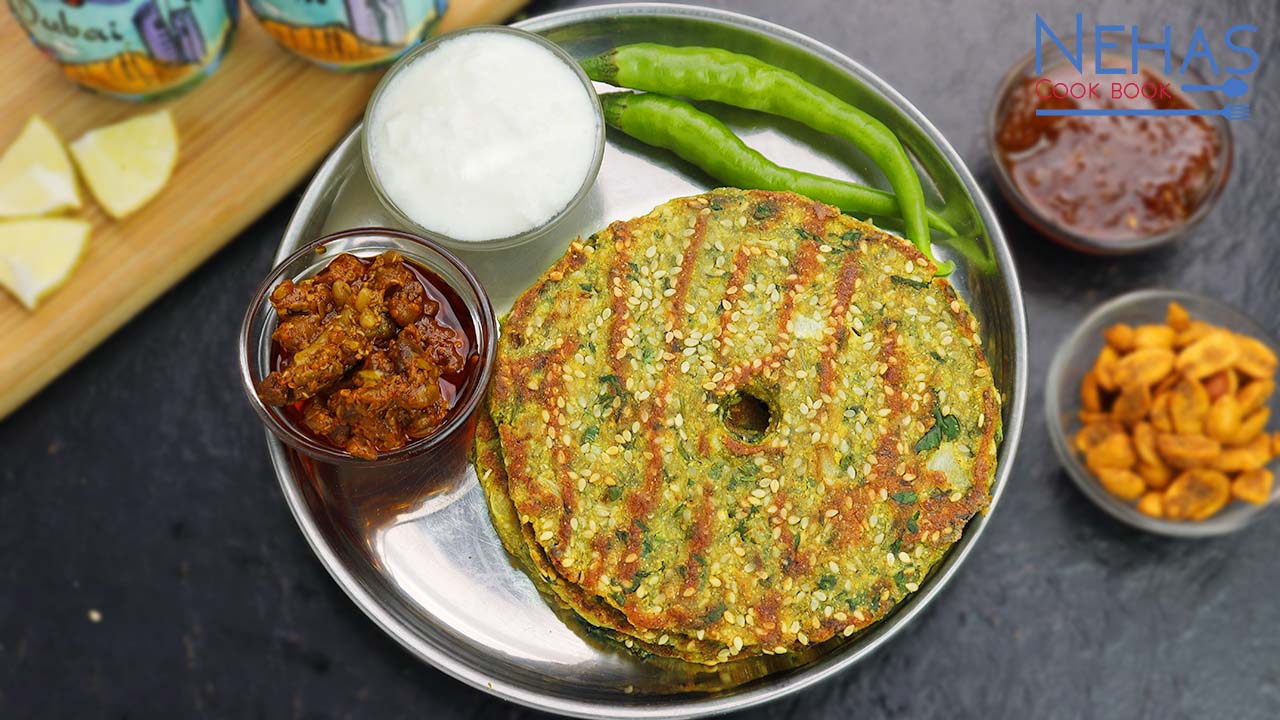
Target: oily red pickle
368, 354
1107, 178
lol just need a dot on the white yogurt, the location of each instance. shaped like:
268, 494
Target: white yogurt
486, 136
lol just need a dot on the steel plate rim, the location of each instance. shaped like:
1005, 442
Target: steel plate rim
767, 690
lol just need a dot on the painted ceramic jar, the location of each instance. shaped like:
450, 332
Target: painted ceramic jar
348, 34
131, 49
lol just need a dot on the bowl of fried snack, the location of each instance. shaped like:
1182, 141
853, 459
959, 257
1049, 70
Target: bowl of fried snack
1160, 408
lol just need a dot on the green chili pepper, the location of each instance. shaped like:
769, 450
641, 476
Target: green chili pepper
706, 142
743, 81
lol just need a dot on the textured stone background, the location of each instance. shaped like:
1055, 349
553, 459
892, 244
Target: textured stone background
138, 484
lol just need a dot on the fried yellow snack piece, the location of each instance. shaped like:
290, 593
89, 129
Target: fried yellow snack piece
1177, 317
1218, 350
1196, 494
1253, 486
1124, 484
1250, 427
1132, 405
1152, 503
1090, 393
1115, 452
1234, 460
1145, 366
1120, 337
1094, 433
1187, 451
1160, 418
1144, 443
1256, 359
1192, 334
1156, 476
1103, 365
1154, 336
1260, 447
1255, 395
1187, 407
1167, 384
1223, 419
1249, 456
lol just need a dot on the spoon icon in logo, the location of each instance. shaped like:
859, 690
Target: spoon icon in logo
1232, 87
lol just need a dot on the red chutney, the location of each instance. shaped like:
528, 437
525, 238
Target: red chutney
369, 354
1110, 179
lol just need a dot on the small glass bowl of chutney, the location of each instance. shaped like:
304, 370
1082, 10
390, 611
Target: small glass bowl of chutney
366, 353
1102, 182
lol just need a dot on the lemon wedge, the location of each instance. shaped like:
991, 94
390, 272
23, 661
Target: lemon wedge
37, 256
35, 175
126, 164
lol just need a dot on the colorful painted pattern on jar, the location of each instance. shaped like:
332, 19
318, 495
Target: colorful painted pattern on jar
131, 49
348, 34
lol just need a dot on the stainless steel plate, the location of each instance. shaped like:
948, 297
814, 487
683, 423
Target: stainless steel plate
425, 564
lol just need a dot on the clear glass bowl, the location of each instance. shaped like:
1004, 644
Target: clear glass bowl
1151, 60
493, 243
440, 454
1075, 357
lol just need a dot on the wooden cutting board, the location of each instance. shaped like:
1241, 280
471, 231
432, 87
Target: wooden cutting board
248, 134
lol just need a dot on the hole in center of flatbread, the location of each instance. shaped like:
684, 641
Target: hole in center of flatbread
746, 416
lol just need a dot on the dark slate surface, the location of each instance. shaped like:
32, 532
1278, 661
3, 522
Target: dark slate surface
137, 486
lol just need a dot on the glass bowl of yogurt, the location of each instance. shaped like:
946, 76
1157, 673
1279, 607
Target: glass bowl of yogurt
483, 139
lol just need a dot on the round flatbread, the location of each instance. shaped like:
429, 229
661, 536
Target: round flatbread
518, 541
744, 418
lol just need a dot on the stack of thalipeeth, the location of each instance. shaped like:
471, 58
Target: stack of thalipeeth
740, 424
